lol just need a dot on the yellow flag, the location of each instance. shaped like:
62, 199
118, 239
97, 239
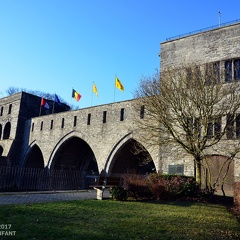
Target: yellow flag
119, 85
95, 89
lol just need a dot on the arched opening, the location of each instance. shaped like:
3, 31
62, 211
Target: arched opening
7, 130
132, 158
34, 158
77, 156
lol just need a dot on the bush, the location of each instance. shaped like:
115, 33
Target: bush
137, 187
118, 193
159, 186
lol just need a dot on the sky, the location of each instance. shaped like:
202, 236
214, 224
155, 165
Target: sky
55, 46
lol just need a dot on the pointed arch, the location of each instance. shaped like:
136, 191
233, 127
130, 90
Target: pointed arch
34, 158
125, 158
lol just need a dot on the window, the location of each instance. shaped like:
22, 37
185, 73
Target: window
230, 127
212, 73
217, 127
104, 116
238, 126
142, 110
216, 71
228, 71
6, 131
122, 114
232, 70
1, 112
75, 121
89, 119
41, 128
214, 127
177, 169
51, 124
0, 131
62, 126
10, 109
236, 69
32, 127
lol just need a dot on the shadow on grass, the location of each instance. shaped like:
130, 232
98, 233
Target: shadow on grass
187, 202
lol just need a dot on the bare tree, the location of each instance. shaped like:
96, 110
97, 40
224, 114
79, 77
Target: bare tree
49, 96
190, 107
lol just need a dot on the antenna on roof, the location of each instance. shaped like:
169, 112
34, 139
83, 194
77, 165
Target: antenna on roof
219, 19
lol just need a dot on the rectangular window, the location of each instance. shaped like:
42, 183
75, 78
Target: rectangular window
142, 111
177, 169
197, 128
41, 128
75, 121
228, 71
32, 127
1, 113
230, 127
51, 124
104, 116
238, 126
89, 119
217, 127
122, 114
10, 109
62, 126
216, 71
237, 69
210, 130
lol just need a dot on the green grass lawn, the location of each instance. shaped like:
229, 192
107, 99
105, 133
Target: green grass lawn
107, 219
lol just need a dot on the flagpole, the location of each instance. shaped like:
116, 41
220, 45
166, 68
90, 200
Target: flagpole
114, 87
92, 93
53, 104
40, 107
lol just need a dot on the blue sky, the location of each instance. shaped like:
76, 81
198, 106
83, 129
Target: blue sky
56, 45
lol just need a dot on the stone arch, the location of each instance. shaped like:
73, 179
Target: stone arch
74, 154
210, 171
34, 158
124, 158
7, 130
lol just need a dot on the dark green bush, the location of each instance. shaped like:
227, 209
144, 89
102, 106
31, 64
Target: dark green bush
119, 193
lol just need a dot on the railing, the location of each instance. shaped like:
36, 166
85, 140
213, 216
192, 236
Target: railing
203, 30
31, 179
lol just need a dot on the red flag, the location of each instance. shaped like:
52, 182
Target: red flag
44, 103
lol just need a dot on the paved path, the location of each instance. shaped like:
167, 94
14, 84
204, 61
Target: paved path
37, 197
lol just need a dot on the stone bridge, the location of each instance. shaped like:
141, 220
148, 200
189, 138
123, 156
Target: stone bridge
93, 140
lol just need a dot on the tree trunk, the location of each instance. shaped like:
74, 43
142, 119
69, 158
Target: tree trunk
198, 172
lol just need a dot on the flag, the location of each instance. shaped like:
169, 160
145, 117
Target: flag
95, 89
44, 103
56, 99
119, 85
76, 95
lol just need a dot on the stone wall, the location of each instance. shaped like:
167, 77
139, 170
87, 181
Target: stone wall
210, 46
104, 137
237, 194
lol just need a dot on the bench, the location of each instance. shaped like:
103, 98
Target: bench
105, 182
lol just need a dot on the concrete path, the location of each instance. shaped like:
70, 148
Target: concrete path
37, 197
